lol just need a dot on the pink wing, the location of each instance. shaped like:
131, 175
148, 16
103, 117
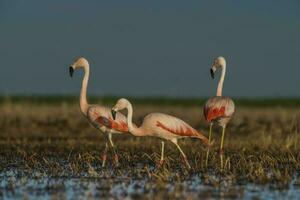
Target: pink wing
218, 107
178, 127
181, 130
213, 113
101, 116
112, 124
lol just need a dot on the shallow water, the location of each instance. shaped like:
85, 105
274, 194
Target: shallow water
38, 186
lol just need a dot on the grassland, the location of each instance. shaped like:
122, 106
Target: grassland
49, 138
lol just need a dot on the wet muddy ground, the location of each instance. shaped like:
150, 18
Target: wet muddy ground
40, 186
50, 151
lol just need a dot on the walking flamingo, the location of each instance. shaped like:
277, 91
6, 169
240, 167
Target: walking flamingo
99, 116
159, 125
218, 109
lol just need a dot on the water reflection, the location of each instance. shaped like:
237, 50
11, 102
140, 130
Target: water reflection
37, 186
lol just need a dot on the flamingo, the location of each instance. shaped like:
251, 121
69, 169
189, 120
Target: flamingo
99, 116
159, 125
218, 109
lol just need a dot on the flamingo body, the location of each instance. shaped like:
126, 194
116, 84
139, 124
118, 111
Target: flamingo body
160, 125
100, 117
169, 127
219, 109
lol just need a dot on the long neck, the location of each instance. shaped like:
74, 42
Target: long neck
83, 99
221, 81
132, 129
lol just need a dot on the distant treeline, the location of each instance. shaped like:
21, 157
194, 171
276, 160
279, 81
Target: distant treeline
284, 102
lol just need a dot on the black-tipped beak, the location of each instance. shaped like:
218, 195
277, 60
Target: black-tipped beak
114, 114
71, 71
212, 73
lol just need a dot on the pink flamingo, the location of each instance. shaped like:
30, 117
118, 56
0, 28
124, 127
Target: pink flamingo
99, 116
159, 125
218, 109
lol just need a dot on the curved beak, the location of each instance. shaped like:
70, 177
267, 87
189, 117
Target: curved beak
71, 71
212, 73
114, 114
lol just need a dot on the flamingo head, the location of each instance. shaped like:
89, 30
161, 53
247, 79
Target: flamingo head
120, 105
218, 63
79, 63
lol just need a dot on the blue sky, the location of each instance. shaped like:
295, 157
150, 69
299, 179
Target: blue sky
149, 48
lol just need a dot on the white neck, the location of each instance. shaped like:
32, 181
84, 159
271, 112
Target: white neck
221, 81
83, 100
133, 130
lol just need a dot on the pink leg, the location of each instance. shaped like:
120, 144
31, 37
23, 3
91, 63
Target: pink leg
116, 157
221, 151
104, 156
161, 161
183, 155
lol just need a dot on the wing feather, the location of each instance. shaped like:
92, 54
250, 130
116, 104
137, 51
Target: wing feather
218, 107
101, 116
175, 126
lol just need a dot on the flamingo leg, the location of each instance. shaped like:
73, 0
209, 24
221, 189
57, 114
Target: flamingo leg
114, 149
221, 146
162, 153
182, 153
104, 155
209, 140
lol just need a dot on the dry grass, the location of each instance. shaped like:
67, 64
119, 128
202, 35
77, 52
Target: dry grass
262, 145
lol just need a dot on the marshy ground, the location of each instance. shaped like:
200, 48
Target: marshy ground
49, 150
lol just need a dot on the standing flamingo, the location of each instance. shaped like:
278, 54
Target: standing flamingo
218, 109
159, 125
99, 116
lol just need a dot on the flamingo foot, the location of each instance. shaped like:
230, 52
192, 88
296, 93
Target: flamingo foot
104, 157
221, 151
116, 158
210, 146
160, 163
185, 160
187, 163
